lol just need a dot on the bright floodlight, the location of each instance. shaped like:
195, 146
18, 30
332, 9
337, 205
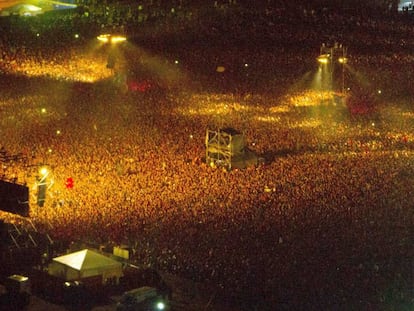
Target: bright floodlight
32, 9
44, 171
103, 38
324, 58
108, 38
160, 306
342, 60
117, 39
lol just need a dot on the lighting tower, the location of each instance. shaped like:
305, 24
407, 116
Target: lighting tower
330, 58
42, 185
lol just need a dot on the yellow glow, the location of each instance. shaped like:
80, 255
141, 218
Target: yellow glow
81, 67
44, 171
220, 69
324, 58
408, 115
343, 60
310, 98
105, 38
33, 8
43, 110
117, 39
268, 119
309, 123
279, 109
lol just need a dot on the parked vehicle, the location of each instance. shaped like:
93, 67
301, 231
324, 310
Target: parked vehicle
18, 292
144, 298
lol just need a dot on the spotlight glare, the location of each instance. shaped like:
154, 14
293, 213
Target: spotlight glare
103, 38
108, 38
160, 306
343, 60
324, 58
43, 171
117, 39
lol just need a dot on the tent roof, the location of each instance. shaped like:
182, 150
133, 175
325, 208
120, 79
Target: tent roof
85, 260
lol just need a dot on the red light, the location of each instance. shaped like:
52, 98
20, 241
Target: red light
140, 86
69, 183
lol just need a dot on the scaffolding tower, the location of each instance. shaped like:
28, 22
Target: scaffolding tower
334, 59
227, 148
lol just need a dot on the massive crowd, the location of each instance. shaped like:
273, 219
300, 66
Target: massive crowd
327, 218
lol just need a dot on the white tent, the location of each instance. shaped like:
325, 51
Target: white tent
85, 264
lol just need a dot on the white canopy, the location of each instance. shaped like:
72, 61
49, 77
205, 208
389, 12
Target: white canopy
83, 264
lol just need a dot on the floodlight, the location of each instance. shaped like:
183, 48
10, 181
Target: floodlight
103, 38
323, 58
117, 39
44, 171
160, 305
108, 38
342, 60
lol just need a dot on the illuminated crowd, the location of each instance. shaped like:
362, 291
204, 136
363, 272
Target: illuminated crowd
331, 187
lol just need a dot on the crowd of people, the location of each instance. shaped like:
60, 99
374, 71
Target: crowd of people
325, 219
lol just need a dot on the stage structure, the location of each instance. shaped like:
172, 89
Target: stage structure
227, 148
44, 182
332, 60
